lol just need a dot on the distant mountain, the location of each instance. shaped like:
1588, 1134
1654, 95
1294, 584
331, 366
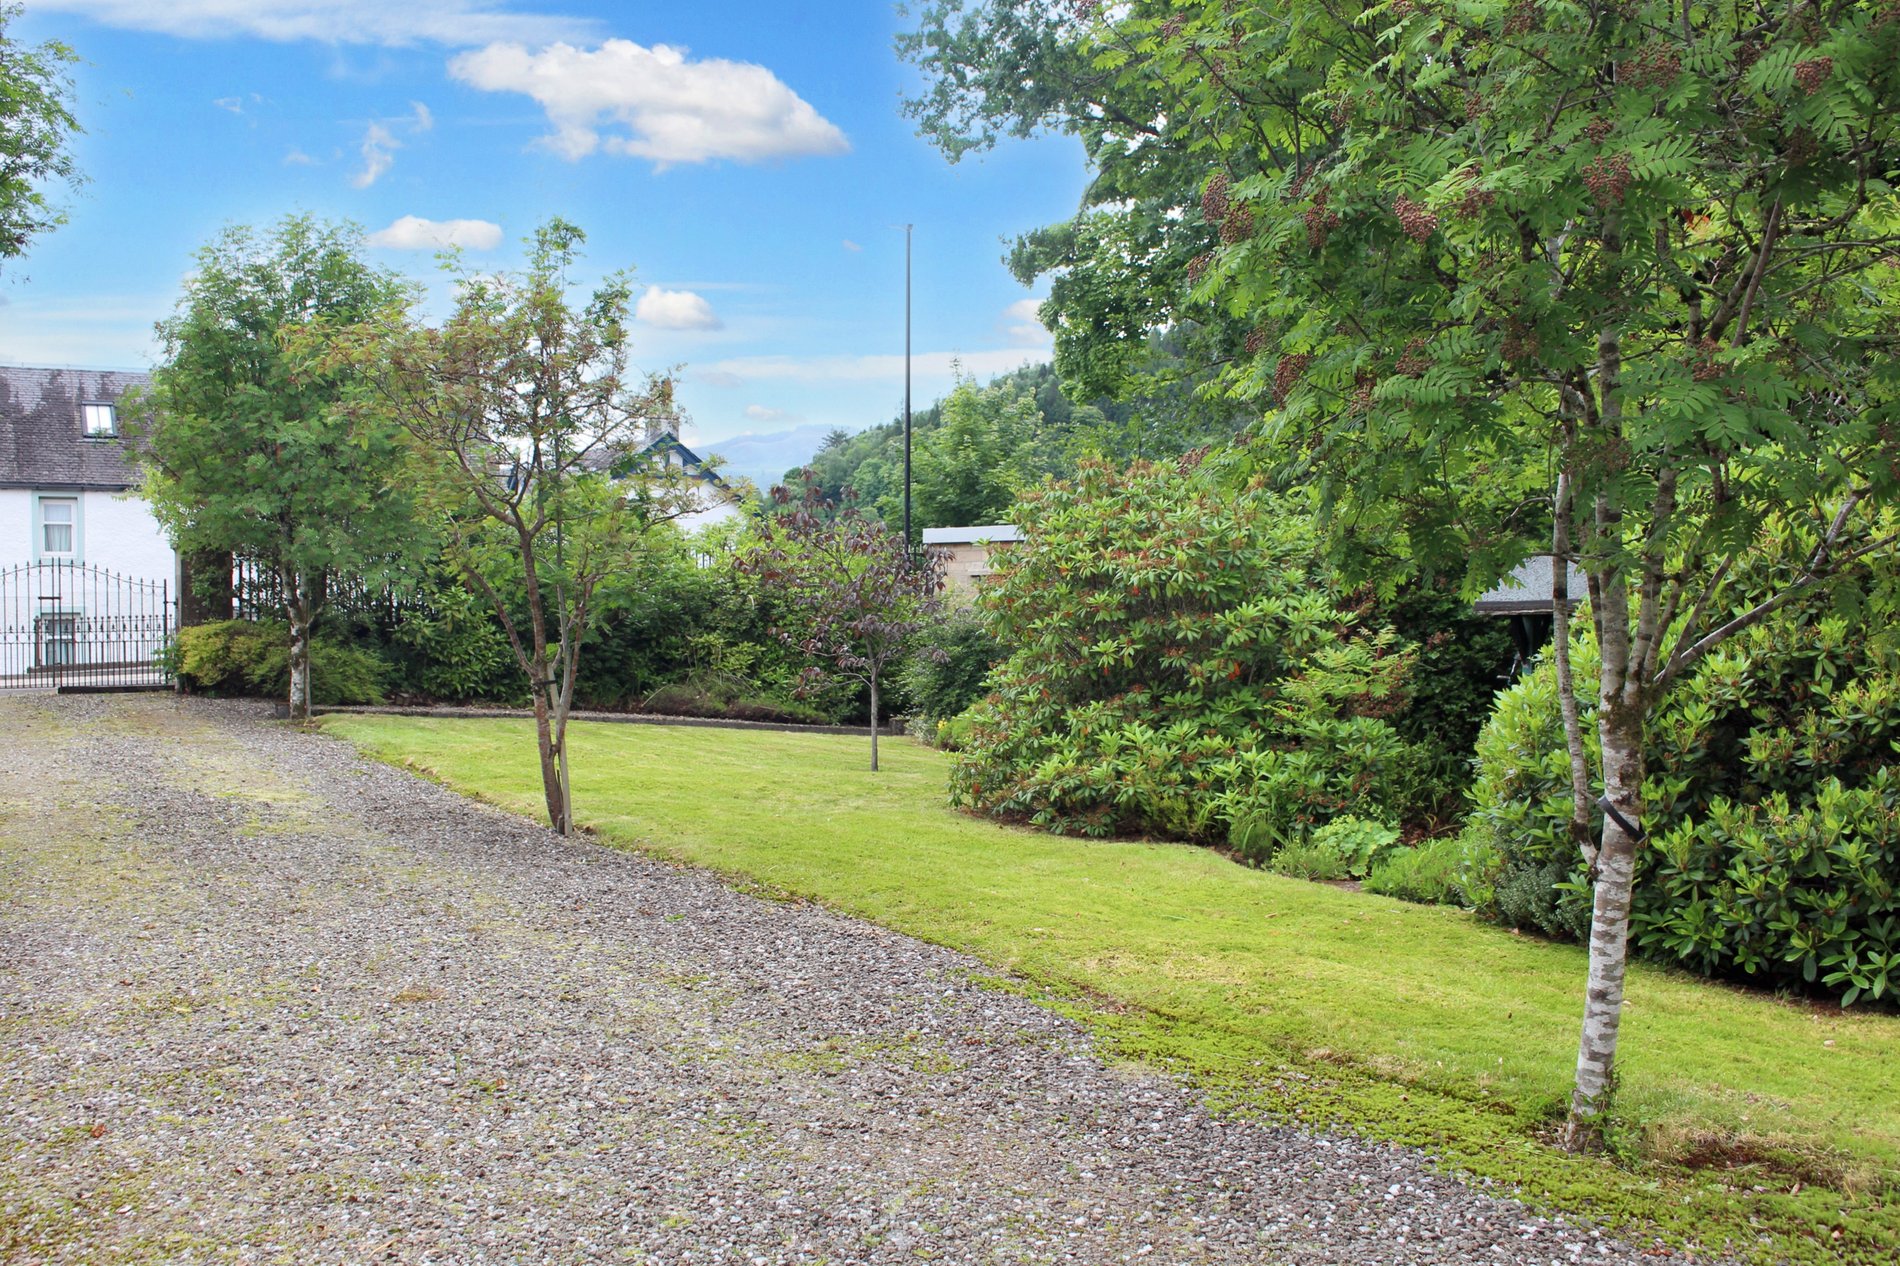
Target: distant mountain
764, 459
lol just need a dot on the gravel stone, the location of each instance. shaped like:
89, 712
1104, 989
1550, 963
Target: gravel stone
263, 1000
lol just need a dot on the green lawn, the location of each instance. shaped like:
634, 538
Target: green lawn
1410, 1023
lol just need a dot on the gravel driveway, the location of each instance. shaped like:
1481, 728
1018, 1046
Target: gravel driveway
262, 1000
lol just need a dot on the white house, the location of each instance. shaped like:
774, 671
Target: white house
87, 578
66, 478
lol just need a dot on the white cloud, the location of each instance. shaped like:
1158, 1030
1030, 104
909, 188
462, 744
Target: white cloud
759, 413
739, 370
413, 233
297, 158
456, 23
654, 103
1023, 326
234, 104
379, 151
676, 310
380, 144
852, 246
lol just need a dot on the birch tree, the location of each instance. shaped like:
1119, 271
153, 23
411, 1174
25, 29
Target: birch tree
1642, 252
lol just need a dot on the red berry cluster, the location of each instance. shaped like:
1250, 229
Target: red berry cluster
1703, 363
1523, 18
1414, 362
1476, 104
1238, 226
1519, 343
1361, 401
1319, 222
1171, 29
1599, 130
1608, 179
1197, 267
1812, 73
1654, 66
1257, 340
1476, 202
1287, 375
1214, 198
1418, 223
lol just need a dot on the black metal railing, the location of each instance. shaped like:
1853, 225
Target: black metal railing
71, 626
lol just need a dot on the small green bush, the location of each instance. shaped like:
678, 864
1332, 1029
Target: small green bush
1357, 843
1428, 874
1306, 860
245, 657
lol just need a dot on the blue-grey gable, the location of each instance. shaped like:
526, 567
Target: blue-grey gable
42, 443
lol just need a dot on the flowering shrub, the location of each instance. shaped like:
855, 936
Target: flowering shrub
1180, 665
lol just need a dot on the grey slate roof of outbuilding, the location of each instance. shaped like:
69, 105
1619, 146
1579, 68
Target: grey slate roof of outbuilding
42, 444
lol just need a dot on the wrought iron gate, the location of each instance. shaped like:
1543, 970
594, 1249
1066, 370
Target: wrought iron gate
68, 626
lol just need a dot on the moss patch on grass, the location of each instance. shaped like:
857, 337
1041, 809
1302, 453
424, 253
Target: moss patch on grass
1766, 1127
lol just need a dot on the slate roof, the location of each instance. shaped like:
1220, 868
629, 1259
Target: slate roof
1526, 591
41, 443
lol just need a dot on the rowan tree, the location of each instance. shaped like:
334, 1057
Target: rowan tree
526, 421
251, 448
1640, 253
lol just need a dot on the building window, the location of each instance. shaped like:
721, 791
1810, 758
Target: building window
58, 522
101, 420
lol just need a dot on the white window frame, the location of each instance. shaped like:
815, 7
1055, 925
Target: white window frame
41, 524
90, 411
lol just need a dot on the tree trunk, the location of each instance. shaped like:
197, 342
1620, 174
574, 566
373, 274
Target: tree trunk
1621, 730
874, 723
299, 663
553, 783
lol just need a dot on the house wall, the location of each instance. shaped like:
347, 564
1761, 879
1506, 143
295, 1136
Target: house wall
965, 563
114, 531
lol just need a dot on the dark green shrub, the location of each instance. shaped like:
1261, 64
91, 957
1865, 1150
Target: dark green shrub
1772, 797
244, 657
951, 667
1428, 874
449, 647
1179, 661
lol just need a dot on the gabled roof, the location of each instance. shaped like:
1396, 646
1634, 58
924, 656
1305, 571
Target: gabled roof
619, 463
42, 444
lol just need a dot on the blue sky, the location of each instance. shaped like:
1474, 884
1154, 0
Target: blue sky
748, 160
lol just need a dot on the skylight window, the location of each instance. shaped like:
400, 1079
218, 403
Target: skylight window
101, 420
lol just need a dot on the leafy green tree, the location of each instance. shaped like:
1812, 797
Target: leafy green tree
526, 420
987, 447
1640, 249
36, 129
251, 449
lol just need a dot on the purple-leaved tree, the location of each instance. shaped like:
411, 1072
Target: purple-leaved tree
850, 596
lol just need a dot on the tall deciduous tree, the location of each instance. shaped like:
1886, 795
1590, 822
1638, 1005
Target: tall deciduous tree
251, 450
851, 597
36, 128
1643, 248
527, 420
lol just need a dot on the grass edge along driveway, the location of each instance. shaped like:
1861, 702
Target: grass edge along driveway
1768, 1127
